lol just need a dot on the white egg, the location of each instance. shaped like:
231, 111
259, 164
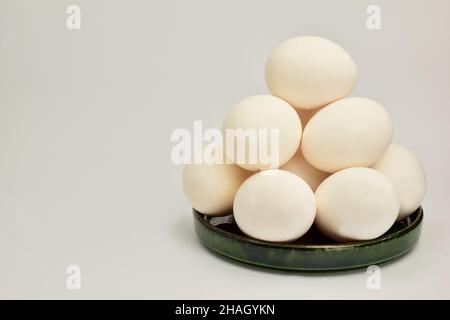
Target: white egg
210, 188
356, 204
263, 116
351, 132
310, 72
401, 166
274, 205
304, 170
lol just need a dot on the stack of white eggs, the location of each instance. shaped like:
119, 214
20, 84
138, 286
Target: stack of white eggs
337, 168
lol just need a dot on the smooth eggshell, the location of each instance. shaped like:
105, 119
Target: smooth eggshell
274, 205
401, 166
265, 112
210, 188
310, 72
352, 132
356, 204
304, 170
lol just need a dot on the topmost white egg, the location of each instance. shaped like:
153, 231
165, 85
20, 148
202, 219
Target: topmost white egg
310, 72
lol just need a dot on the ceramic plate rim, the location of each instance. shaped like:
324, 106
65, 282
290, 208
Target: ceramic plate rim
414, 223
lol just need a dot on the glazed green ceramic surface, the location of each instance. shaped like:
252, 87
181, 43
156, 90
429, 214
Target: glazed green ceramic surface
313, 251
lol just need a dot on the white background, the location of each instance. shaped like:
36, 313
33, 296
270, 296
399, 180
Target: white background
85, 124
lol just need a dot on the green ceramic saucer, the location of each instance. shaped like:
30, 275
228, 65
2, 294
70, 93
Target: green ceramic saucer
313, 251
